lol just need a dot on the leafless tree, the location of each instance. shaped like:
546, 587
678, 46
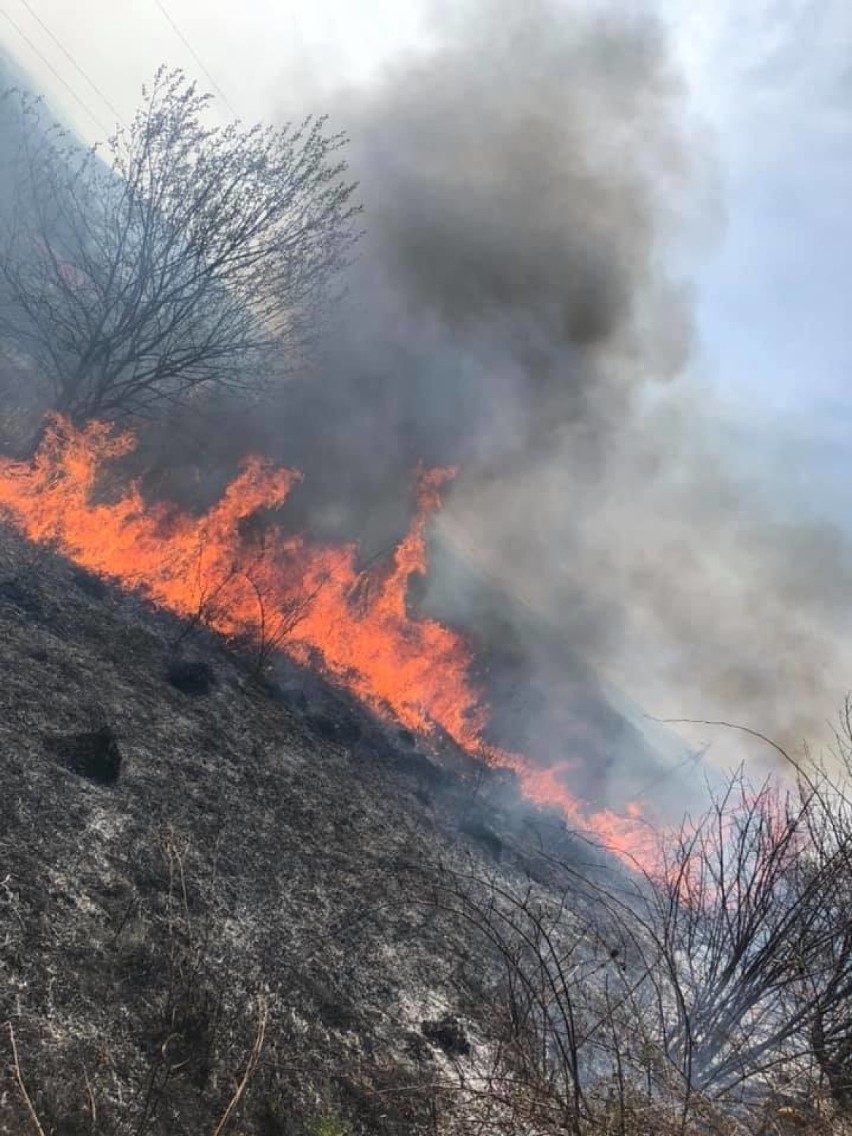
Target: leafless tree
725, 926
713, 994
750, 922
827, 971
253, 568
276, 618
568, 1049
183, 254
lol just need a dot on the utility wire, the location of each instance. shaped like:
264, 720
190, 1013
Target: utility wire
71, 59
53, 70
195, 56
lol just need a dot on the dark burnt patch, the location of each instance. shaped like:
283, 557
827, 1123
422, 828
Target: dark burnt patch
89, 584
285, 695
448, 1034
194, 678
342, 729
22, 599
91, 754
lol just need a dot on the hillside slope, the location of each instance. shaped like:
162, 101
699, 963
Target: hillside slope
178, 865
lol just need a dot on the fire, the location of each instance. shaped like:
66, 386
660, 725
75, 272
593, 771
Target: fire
248, 579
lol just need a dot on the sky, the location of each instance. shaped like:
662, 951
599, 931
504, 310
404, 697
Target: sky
773, 82
767, 89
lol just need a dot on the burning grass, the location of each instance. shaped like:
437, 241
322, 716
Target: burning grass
238, 573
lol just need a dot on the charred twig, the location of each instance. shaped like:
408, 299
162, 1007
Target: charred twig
20, 1080
251, 1066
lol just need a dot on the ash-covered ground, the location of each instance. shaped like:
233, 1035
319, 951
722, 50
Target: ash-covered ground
189, 853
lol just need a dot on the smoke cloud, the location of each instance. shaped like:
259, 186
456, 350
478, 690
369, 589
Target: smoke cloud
528, 179
519, 179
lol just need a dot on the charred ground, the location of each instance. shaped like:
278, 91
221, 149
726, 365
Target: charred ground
189, 853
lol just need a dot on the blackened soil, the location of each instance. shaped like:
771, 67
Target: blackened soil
192, 859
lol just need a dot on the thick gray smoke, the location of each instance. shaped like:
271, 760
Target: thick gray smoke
519, 177
526, 176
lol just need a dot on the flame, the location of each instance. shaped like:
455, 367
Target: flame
245, 578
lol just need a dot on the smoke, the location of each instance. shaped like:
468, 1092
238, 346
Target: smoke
528, 179
675, 581
519, 177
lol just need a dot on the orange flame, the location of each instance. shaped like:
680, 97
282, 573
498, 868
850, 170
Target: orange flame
247, 579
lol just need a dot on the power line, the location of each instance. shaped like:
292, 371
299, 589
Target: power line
71, 59
195, 56
53, 70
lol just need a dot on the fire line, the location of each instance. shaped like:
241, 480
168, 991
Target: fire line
308, 600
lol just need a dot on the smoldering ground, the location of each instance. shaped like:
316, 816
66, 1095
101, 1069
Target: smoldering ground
530, 178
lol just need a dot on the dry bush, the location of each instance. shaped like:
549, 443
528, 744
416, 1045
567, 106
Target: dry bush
713, 996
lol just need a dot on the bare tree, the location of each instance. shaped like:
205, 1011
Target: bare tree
752, 925
187, 254
253, 569
826, 978
713, 994
726, 926
573, 1038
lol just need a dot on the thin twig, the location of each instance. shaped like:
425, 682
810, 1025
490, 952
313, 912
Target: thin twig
251, 1065
729, 726
19, 1078
91, 1095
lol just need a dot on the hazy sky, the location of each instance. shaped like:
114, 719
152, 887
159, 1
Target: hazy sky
252, 49
774, 80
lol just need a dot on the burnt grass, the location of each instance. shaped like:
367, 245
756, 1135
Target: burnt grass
188, 850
